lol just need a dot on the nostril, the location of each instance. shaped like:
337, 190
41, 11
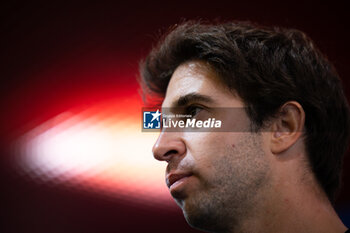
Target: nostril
168, 146
170, 152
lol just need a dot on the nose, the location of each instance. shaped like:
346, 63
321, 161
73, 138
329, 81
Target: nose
168, 145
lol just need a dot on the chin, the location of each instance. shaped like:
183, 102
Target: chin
201, 222
195, 221
199, 216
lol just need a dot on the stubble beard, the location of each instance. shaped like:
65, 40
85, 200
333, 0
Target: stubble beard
232, 195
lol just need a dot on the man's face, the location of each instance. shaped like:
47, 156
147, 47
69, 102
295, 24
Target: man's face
211, 175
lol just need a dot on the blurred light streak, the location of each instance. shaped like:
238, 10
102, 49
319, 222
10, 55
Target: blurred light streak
101, 149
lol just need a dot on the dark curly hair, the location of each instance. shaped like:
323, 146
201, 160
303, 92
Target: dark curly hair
266, 67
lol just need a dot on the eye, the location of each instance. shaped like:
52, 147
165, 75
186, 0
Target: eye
193, 110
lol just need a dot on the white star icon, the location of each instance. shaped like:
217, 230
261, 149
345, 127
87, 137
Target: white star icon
155, 115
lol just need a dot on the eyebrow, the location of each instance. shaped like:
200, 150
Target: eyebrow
192, 97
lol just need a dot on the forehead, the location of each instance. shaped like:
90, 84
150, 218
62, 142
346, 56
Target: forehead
197, 77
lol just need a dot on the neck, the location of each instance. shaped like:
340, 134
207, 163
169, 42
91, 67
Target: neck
292, 206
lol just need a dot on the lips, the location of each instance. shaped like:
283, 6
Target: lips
173, 177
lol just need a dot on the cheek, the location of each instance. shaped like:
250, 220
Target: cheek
208, 149
202, 142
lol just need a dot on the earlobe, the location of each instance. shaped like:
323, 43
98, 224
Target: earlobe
287, 127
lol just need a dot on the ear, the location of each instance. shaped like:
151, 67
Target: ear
287, 127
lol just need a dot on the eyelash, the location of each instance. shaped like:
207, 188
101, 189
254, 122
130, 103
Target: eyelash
189, 110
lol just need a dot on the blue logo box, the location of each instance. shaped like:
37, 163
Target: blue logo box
151, 119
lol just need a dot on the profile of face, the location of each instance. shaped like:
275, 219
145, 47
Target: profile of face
215, 177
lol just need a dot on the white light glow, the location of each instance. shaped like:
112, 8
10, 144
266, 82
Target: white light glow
106, 151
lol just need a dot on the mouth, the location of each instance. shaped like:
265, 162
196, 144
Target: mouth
175, 178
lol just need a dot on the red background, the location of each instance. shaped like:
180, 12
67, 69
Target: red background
56, 56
